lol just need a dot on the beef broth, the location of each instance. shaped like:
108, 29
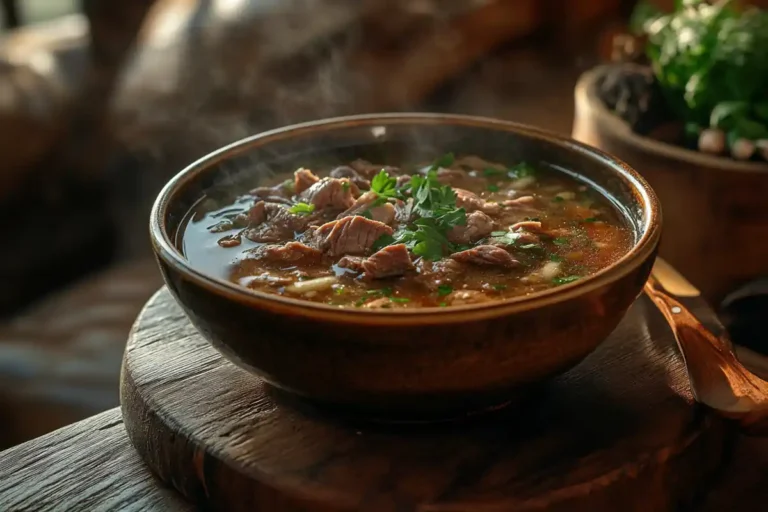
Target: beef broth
457, 231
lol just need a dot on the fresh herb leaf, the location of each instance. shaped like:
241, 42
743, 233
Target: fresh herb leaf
493, 188
401, 300
565, 280
490, 172
442, 304
444, 161
345, 185
302, 208
289, 185
557, 199
499, 233
590, 219
556, 258
522, 170
443, 290
499, 287
384, 185
367, 214
339, 290
561, 240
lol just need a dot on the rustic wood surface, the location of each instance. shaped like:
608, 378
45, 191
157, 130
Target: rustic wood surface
620, 430
91, 465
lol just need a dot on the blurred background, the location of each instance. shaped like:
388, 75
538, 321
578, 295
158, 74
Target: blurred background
101, 102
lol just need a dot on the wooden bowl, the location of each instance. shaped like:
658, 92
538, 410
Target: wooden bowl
415, 364
715, 208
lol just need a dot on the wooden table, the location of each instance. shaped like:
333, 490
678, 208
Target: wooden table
91, 465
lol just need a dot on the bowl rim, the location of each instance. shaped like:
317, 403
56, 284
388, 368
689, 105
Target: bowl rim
166, 250
586, 96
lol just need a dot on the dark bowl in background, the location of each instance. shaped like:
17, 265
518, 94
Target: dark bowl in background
414, 364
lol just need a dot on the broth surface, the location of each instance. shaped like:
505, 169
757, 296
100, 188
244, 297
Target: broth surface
454, 231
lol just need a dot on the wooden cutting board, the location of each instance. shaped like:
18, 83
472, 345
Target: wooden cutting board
618, 432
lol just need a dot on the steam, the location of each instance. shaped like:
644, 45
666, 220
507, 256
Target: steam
232, 68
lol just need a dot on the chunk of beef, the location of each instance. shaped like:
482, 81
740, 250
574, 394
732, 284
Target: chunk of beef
383, 213
528, 225
478, 226
352, 175
329, 193
354, 263
303, 179
486, 255
390, 261
292, 252
472, 202
349, 235
369, 170
278, 224
257, 214
434, 273
277, 194
447, 176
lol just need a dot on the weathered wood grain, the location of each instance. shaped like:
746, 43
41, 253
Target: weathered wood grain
619, 431
87, 466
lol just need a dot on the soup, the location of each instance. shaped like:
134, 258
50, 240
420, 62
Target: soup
452, 232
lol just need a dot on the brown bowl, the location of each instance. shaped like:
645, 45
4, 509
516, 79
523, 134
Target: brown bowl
716, 214
416, 363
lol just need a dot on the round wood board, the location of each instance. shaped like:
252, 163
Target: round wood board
620, 431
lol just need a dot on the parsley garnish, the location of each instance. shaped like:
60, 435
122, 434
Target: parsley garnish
345, 185
288, 185
557, 199
339, 290
590, 219
399, 299
522, 170
435, 204
302, 208
442, 304
499, 233
565, 280
499, 287
444, 161
556, 258
490, 172
383, 185
493, 188
443, 290
561, 240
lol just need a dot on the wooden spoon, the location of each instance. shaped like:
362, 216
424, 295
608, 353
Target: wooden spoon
722, 377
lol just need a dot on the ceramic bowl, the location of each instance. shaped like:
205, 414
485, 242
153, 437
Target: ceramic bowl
416, 363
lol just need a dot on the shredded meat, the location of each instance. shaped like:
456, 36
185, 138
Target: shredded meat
383, 213
257, 214
530, 225
520, 201
276, 194
329, 193
478, 226
276, 223
390, 261
303, 179
349, 235
353, 176
488, 255
472, 202
292, 252
354, 263
369, 170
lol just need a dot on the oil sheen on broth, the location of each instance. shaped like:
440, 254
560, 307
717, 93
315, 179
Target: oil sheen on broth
456, 231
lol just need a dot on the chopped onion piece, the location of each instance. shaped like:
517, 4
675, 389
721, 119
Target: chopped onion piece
312, 285
550, 270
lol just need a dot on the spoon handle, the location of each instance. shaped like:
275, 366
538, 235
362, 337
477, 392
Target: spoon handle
718, 379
